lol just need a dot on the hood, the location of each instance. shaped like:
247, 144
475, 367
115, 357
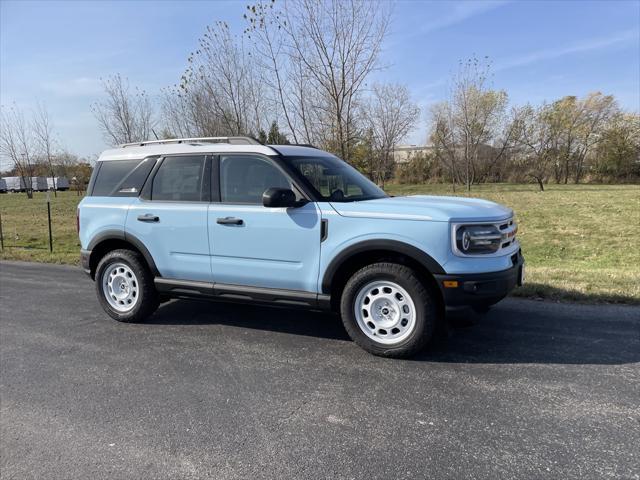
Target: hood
425, 207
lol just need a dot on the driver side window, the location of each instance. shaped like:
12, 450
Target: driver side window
244, 178
331, 184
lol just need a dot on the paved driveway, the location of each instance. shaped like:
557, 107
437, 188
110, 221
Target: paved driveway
534, 390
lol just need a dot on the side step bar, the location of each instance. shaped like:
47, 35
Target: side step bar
240, 293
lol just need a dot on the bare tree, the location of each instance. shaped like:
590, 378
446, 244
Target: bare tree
305, 68
617, 155
221, 91
337, 42
443, 140
124, 116
391, 115
265, 32
17, 144
536, 140
473, 126
597, 111
578, 125
186, 113
44, 136
317, 55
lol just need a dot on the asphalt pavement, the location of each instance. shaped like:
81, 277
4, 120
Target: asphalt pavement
223, 391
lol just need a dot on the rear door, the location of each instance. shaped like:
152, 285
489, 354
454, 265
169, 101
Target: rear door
114, 183
253, 245
170, 217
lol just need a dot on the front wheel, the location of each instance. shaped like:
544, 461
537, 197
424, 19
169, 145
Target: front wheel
125, 286
388, 311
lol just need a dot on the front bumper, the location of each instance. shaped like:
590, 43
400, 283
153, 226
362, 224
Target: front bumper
470, 289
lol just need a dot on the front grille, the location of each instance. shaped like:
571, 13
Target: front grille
508, 230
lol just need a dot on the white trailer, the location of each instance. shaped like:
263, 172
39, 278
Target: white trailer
39, 184
3, 186
57, 183
15, 184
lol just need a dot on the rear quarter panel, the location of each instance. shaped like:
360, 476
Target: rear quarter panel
102, 214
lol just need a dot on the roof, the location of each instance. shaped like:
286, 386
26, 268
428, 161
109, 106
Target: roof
133, 153
139, 152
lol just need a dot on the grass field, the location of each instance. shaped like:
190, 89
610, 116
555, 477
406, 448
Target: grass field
25, 232
581, 243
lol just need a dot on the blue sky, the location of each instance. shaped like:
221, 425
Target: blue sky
56, 52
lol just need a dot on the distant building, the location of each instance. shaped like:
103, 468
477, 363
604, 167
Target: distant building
404, 153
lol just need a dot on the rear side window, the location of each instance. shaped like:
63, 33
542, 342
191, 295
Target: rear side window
122, 178
181, 179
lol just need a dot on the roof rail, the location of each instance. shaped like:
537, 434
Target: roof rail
231, 140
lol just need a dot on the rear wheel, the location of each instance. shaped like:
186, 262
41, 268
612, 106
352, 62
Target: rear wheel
388, 311
125, 286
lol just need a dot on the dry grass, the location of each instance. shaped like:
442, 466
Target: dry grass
25, 231
581, 243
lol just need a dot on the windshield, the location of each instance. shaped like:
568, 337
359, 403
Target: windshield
334, 180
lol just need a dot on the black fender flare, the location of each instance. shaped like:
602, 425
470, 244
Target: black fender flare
423, 258
129, 238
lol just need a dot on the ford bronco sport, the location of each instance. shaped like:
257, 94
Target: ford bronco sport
232, 219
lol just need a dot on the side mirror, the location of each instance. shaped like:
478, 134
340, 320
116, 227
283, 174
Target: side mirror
279, 197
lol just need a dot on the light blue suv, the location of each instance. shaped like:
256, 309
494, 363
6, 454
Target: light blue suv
231, 219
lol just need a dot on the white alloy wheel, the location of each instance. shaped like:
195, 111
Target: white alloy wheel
385, 312
120, 287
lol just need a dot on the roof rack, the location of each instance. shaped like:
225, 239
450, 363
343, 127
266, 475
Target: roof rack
231, 140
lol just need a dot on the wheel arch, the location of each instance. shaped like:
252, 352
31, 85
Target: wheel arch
113, 240
356, 256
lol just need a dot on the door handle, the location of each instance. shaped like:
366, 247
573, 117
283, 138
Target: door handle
230, 221
148, 218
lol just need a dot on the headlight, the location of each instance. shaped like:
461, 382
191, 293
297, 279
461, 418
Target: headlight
478, 239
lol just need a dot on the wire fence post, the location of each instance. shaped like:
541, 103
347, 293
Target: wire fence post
1, 235
49, 220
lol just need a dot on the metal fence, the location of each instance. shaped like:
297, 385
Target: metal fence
34, 224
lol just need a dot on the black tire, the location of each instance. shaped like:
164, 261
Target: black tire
424, 299
148, 300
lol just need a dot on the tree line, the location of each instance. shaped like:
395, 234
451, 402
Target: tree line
474, 139
301, 71
477, 138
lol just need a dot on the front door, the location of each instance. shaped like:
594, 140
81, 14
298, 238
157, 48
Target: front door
253, 245
172, 222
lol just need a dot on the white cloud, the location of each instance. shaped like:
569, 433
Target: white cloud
461, 11
457, 12
619, 38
